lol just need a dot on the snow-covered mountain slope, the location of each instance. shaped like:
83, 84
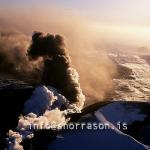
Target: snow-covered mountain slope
48, 109
90, 139
102, 138
122, 112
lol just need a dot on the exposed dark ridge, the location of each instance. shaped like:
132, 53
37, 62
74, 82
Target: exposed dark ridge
12, 102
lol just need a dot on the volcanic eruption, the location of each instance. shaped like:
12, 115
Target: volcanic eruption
57, 70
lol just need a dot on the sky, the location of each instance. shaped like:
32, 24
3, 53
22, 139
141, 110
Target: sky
126, 20
132, 12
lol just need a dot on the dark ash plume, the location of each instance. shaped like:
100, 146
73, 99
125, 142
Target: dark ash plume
57, 71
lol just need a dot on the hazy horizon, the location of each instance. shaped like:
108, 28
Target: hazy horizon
111, 24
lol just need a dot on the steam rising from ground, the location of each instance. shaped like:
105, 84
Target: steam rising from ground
96, 71
46, 109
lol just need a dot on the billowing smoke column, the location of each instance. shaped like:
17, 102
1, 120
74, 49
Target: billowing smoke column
45, 62
57, 71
